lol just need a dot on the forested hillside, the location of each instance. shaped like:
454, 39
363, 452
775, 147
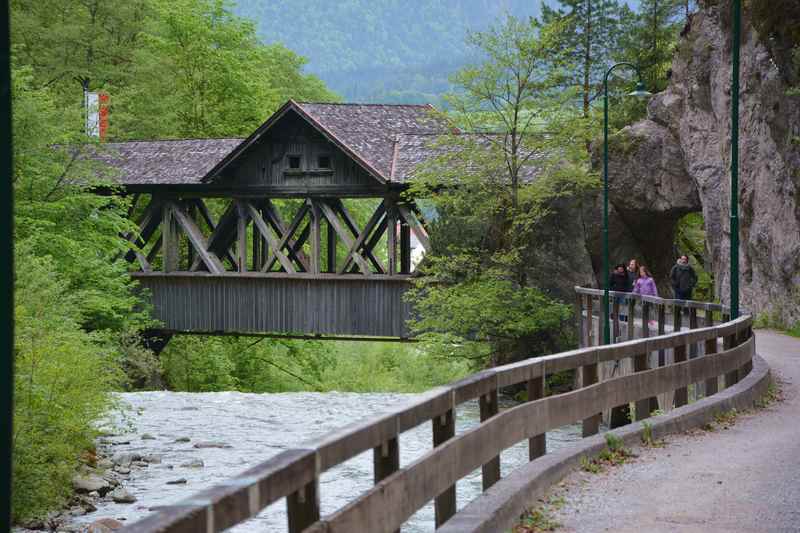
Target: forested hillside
390, 51
380, 50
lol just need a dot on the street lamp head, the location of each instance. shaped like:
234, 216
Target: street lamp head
640, 91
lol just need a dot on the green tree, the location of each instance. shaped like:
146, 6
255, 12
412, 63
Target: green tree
511, 157
587, 38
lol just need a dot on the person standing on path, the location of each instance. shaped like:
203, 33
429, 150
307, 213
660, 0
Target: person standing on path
618, 281
633, 273
645, 285
683, 278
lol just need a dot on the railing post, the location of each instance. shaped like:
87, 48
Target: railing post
579, 318
537, 445
681, 394
615, 320
491, 470
589, 320
444, 427
712, 384
693, 350
641, 362
631, 319
591, 425
662, 329
732, 377
386, 460
621, 414
303, 507
748, 366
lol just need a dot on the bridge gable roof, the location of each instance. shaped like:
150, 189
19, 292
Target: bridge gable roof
386, 140
370, 134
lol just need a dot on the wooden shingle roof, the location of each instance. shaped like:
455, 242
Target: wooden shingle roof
172, 162
384, 139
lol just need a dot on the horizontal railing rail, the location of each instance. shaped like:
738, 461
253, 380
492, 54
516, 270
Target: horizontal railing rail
400, 492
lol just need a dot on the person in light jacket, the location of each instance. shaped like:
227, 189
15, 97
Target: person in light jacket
645, 284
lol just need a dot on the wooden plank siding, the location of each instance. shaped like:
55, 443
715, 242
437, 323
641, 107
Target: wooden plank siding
266, 163
274, 303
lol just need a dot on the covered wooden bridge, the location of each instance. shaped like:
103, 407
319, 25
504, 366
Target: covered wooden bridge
299, 229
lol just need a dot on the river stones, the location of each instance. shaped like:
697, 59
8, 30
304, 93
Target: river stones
194, 463
183, 439
89, 482
147, 436
179, 481
125, 458
121, 495
153, 458
211, 444
103, 525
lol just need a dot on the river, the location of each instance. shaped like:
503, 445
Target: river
257, 427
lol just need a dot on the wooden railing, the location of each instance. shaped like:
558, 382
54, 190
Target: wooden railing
399, 492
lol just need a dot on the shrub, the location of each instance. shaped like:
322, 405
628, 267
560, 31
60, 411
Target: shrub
62, 383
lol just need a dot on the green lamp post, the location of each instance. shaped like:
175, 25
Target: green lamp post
640, 92
734, 220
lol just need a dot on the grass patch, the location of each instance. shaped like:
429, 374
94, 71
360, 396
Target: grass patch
648, 441
774, 394
613, 454
541, 518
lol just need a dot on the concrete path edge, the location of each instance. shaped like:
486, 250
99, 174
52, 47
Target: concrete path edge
500, 507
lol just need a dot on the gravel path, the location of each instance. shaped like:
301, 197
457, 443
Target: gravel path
745, 477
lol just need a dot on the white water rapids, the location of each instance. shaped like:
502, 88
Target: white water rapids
259, 426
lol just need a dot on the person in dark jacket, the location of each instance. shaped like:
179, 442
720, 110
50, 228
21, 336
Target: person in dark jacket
618, 281
683, 278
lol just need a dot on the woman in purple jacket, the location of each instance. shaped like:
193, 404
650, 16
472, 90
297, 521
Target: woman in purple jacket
644, 284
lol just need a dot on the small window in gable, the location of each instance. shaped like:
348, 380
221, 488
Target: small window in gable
324, 162
294, 162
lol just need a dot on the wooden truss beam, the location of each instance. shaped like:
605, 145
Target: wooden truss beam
334, 220
357, 248
196, 239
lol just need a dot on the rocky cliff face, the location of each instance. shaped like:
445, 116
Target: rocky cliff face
678, 160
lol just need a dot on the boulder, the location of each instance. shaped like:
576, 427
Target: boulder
152, 458
148, 436
194, 463
211, 444
125, 458
179, 481
678, 159
87, 483
121, 495
103, 525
